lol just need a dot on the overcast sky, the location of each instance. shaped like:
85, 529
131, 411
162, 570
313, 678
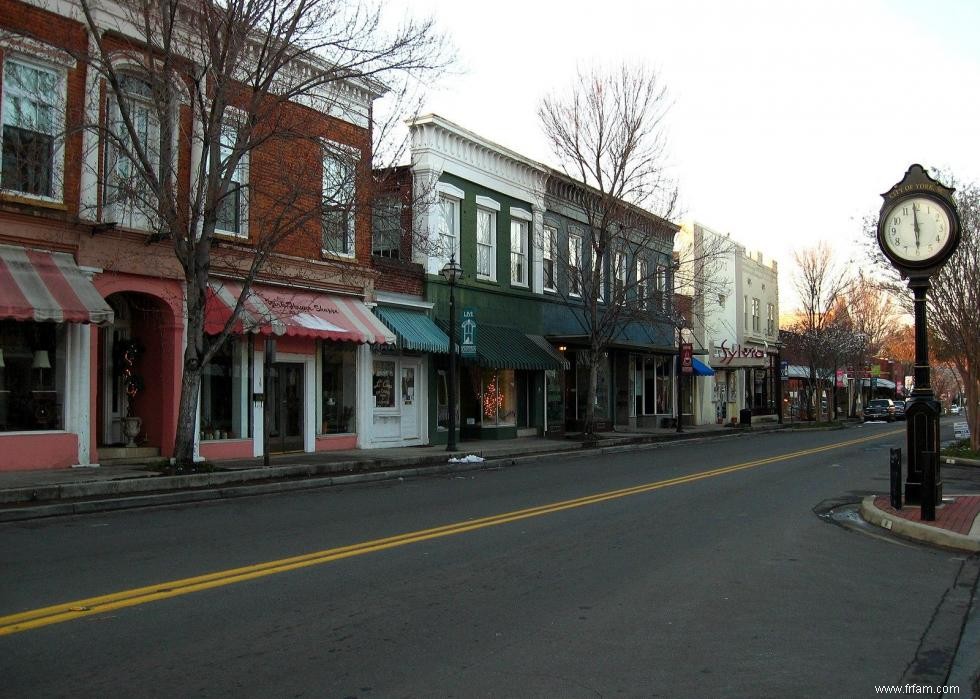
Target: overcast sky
788, 119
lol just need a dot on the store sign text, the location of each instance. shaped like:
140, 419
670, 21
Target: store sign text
727, 355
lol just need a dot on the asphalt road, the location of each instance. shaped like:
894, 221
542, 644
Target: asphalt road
683, 580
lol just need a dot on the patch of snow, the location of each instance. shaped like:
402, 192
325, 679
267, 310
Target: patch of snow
468, 459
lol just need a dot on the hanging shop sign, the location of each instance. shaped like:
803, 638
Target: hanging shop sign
467, 333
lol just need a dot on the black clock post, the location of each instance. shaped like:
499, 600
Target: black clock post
922, 412
918, 231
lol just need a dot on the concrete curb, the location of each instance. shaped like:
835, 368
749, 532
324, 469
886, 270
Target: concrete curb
960, 461
916, 530
151, 491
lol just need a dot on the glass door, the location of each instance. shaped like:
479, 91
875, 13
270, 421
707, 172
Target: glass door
286, 401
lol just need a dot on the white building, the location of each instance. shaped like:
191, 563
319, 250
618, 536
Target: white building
735, 323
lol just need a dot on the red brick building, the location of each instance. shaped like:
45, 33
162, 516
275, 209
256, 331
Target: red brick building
92, 298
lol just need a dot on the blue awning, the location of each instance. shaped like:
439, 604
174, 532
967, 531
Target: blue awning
700, 368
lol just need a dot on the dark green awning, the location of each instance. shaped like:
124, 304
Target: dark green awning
415, 331
500, 347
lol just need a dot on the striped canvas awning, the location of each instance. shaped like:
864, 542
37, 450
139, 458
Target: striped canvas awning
282, 311
48, 286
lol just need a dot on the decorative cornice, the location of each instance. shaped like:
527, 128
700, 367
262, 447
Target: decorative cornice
441, 145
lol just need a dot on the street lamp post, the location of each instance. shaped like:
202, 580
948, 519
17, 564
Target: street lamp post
452, 271
680, 376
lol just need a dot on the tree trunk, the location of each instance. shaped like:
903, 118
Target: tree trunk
973, 410
190, 388
589, 427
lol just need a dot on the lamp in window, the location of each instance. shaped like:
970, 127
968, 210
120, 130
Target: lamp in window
41, 362
452, 271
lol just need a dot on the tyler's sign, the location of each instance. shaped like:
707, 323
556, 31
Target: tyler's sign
737, 355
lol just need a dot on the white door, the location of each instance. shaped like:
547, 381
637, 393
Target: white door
410, 400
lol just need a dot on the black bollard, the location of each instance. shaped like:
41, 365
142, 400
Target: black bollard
895, 466
928, 501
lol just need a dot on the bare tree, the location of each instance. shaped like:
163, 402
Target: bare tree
820, 283
202, 86
875, 321
954, 307
607, 134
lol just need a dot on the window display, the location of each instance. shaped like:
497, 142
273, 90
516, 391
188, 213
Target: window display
498, 397
383, 384
224, 392
338, 387
31, 376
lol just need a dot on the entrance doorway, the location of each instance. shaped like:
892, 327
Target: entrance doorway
284, 390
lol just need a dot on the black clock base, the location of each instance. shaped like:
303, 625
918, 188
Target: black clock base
922, 440
914, 491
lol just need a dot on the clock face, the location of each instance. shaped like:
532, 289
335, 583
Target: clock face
916, 229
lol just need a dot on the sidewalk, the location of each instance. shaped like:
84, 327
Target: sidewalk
55, 492
957, 523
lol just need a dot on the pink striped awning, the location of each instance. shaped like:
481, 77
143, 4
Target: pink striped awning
275, 311
48, 286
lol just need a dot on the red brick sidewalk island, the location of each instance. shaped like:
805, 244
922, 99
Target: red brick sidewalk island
956, 514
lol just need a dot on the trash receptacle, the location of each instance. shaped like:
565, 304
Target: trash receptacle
745, 417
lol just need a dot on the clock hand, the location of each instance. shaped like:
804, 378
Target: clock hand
915, 226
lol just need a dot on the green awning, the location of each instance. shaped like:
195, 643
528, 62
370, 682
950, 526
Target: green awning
500, 347
414, 329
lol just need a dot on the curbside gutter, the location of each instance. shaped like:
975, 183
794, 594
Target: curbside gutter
18, 504
916, 530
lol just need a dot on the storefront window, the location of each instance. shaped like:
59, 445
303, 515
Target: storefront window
602, 385
31, 371
383, 384
602, 389
665, 385
337, 389
498, 399
224, 394
555, 404
658, 382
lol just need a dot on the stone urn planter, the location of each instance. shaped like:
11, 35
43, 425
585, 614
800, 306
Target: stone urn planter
131, 427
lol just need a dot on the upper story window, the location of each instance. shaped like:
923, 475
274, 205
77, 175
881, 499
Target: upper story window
549, 248
129, 198
232, 209
620, 270
663, 293
518, 252
756, 315
338, 198
386, 228
574, 264
447, 222
33, 120
642, 272
771, 320
486, 244
599, 273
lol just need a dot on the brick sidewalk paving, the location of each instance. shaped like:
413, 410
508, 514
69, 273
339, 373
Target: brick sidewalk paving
956, 516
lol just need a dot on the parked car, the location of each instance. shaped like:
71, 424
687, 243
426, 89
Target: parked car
880, 409
954, 410
900, 410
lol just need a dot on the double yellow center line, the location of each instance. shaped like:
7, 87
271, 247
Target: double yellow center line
69, 611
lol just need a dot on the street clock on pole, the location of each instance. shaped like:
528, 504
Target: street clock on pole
918, 231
